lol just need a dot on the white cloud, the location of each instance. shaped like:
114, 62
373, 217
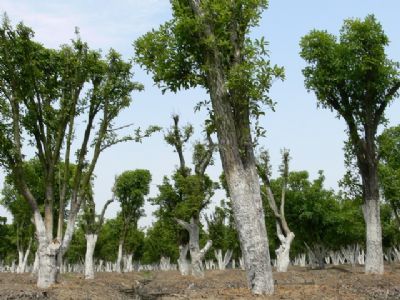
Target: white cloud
103, 24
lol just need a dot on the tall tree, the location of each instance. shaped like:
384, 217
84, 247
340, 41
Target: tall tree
129, 189
40, 98
207, 44
354, 77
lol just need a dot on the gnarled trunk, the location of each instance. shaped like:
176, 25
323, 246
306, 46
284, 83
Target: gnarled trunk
91, 240
196, 254
282, 253
183, 263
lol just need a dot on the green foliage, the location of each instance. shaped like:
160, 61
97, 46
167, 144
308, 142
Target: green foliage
177, 53
129, 189
316, 215
389, 168
222, 230
161, 240
76, 251
108, 240
352, 75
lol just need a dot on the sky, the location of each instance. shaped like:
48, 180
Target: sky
314, 136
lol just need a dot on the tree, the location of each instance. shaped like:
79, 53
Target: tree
207, 44
92, 225
389, 168
222, 231
190, 194
285, 235
354, 77
129, 189
40, 98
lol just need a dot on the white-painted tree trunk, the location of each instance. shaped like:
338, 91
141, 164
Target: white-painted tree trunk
245, 194
223, 261
35, 268
128, 263
119, 258
47, 251
183, 263
20, 261
282, 253
374, 252
197, 257
47, 264
91, 240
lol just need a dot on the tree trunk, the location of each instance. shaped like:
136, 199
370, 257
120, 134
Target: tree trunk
223, 261
183, 263
374, 252
119, 258
47, 274
20, 260
196, 254
23, 258
368, 165
282, 253
35, 267
244, 190
91, 240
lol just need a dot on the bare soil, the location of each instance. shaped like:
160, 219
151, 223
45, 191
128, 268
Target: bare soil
342, 282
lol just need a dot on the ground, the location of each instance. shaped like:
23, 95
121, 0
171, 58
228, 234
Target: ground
341, 282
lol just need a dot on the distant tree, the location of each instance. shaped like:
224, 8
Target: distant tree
161, 240
190, 193
354, 77
92, 224
222, 230
129, 189
284, 234
207, 44
389, 168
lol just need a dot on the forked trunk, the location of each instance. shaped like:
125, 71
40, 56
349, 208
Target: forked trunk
282, 253
374, 252
91, 240
196, 255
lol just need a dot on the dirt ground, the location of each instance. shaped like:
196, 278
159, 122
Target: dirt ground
342, 282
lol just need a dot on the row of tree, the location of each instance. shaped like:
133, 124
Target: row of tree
207, 43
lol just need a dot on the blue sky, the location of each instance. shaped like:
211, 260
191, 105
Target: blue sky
314, 136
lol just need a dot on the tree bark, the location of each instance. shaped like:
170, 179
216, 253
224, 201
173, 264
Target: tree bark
374, 253
282, 253
35, 267
183, 263
196, 254
91, 240
119, 257
232, 122
47, 274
